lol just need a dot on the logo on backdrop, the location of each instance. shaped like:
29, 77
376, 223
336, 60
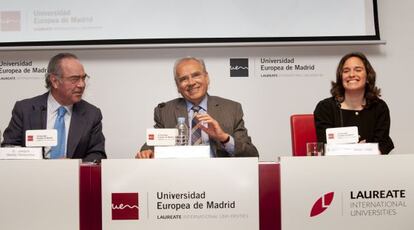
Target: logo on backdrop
10, 21
125, 206
239, 67
322, 204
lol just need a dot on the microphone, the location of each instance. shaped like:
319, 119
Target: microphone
161, 105
42, 109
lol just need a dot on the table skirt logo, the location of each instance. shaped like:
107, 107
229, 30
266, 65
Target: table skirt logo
125, 206
322, 204
239, 67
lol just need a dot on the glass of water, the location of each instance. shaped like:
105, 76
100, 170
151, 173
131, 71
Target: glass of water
315, 149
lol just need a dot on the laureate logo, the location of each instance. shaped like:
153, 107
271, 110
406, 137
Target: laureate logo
322, 204
125, 206
331, 136
239, 67
30, 138
10, 21
151, 136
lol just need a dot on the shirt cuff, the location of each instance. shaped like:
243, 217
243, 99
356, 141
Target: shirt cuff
229, 146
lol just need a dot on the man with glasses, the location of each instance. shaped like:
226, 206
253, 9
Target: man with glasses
219, 121
79, 124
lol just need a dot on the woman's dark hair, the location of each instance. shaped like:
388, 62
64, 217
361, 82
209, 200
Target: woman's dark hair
372, 92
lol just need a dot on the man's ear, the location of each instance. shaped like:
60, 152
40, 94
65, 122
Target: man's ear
54, 81
208, 78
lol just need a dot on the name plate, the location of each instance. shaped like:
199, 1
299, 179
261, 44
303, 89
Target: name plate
192, 151
21, 153
352, 149
161, 137
41, 137
342, 135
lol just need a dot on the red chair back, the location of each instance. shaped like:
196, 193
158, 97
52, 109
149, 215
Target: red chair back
302, 127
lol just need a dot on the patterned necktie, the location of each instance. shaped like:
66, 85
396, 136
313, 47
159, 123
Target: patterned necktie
58, 151
195, 131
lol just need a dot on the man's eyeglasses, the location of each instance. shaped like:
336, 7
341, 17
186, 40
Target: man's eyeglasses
186, 78
76, 79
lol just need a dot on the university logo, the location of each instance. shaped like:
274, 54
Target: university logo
10, 21
331, 136
239, 67
125, 206
322, 204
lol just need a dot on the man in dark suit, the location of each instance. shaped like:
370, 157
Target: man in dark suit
66, 81
221, 120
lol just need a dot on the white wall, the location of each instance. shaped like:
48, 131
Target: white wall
127, 83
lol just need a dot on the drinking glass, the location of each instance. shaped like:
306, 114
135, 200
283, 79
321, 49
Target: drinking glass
315, 149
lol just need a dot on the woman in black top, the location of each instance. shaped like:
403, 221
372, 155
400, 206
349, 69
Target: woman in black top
355, 102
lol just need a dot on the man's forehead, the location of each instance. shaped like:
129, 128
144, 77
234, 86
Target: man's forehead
71, 64
192, 73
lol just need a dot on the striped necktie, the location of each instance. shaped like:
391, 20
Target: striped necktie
58, 151
195, 131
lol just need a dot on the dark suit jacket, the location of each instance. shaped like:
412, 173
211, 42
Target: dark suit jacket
85, 138
229, 115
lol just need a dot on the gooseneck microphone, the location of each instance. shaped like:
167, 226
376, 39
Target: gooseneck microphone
161, 105
42, 109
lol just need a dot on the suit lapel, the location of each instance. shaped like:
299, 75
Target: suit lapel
181, 110
77, 124
213, 109
38, 118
